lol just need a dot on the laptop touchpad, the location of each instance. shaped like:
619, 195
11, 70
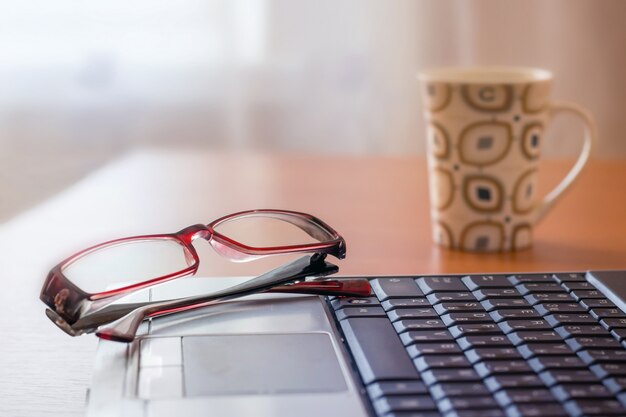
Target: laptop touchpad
260, 364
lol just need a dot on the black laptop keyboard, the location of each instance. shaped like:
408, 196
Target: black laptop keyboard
487, 345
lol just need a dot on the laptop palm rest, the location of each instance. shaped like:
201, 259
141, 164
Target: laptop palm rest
268, 355
260, 364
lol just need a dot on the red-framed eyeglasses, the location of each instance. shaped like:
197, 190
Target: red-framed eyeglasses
81, 291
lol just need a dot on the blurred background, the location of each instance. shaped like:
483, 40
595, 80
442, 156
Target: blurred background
84, 82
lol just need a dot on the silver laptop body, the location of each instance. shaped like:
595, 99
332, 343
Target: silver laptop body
265, 355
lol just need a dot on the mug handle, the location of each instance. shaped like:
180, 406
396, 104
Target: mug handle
591, 135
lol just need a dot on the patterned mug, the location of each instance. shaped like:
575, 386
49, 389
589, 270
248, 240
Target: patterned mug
485, 127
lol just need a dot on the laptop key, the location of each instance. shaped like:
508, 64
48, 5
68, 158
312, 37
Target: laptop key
604, 370
377, 350
404, 403
510, 396
498, 382
578, 285
433, 348
566, 392
600, 313
440, 297
578, 343
559, 319
543, 363
480, 354
613, 323
615, 384
418, 324
347, 312
412, 313
529, 288
474, 329
573, 277
435, 284
426, 362
342, 302
488, 293
413, 414
597, 303
466, 403
495, 367
396, 303
383, 388
469, 342
514, 313
584, 294
515, 325
386, 288
476, 282
578, 408
530, 336
460, 318
590, 356
457, 389
491, 412
533, 410
530, 350
452, 307
534, 278
564, 376
499, 303
436, 376
580, 330
619, 334
549, 308
415, 336
549, 297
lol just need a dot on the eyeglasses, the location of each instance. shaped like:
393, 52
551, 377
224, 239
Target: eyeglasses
81, 292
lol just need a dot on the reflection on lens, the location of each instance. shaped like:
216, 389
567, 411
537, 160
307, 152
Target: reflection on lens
116, 266
258, 231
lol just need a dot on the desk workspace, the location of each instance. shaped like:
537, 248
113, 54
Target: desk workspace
378, 204
258, 208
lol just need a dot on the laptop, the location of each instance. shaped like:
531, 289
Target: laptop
540, 344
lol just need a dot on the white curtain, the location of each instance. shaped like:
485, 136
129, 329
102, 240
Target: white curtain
313, 76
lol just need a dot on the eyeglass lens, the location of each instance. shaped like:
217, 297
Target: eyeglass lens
261, 231
135, 261
116, 266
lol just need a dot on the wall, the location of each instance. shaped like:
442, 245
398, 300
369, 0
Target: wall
323, 76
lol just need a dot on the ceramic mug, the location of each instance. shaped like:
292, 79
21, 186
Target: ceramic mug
485, 127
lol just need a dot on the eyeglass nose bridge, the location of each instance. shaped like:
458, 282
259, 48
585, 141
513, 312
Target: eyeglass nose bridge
191, 233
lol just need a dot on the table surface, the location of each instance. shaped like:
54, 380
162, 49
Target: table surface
379, 204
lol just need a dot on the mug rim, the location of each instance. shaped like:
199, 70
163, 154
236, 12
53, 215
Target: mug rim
485, 75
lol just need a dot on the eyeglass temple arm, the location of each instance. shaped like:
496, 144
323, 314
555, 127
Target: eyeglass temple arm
125, 328
344, 287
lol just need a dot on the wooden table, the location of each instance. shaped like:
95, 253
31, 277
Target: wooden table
379, 204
